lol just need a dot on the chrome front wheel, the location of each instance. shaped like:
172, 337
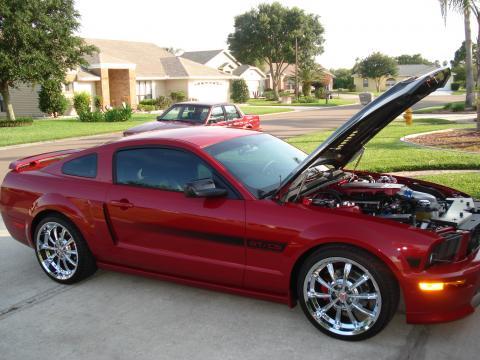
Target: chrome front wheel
347, 294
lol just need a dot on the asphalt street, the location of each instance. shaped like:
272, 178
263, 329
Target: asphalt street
119, 316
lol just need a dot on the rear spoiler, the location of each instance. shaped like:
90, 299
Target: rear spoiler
39, 161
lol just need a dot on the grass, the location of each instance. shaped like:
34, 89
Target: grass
386, 153
452, 107
320, 103
262, 110
466, 182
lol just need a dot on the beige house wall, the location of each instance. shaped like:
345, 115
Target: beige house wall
102, 87
158, 88
122, 87
358, 81
175, 85
25, 101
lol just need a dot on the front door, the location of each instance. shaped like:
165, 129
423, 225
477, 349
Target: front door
157, 228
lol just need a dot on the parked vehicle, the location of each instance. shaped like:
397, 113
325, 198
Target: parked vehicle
244, 212
197, 114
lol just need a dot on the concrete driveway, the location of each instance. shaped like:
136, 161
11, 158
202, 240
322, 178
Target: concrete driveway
118, 316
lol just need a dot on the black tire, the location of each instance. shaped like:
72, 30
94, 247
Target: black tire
383, 279
85, 261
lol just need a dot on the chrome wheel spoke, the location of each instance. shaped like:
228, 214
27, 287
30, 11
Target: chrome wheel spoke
338, 317
331, 271
324, 283
352, 317
346, 272
365, 296
359, 282
363, 310
313, 294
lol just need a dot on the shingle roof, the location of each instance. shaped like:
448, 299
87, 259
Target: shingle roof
414, 69
201, 57
150, 60
243, 68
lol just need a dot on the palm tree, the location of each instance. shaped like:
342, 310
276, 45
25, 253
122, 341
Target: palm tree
464, 7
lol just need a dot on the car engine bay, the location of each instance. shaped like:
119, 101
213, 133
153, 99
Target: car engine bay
384, 196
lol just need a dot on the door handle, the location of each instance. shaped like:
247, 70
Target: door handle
123, 203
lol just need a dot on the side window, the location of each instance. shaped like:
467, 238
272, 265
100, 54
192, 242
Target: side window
165, 169
217, 114
231, 112
85, 166
365, 82
172, 114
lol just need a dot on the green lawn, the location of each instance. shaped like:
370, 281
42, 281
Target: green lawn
386, 153
321, 103
466, 182
429, 110
262, 110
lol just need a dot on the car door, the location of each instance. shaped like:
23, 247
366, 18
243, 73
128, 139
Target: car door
157, 228
233, 117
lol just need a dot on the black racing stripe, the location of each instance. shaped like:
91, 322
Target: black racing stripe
266, 245
193, 234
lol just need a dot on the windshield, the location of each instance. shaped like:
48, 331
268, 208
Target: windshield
260, 161
190, 113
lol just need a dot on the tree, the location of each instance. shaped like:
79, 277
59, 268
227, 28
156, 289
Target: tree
240, 92
458, 64
267, 34
377, 66
51, 99
343, 79
37, 43
465, 7
406, 59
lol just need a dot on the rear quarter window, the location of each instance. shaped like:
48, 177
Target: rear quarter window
84, 166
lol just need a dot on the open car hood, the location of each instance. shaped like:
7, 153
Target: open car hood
342, 146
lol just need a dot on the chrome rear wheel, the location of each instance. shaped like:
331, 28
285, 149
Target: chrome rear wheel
57, 250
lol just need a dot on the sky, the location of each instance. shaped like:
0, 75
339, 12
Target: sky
353, 28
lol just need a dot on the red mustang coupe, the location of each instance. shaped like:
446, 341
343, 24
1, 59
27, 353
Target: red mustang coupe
197, 114
244, 212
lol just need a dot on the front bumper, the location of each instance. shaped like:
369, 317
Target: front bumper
453, 302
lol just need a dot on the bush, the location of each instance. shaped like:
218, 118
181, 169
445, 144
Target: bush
25, 121
269, 95
178, 96
455, 86
97, 102
118, 114
152, 102
81, 102
91, 116
163, 102
455, 107
320, 93
306, 100
51, 99
240, 92
143, 107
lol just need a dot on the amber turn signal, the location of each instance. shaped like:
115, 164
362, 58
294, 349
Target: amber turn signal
439, 285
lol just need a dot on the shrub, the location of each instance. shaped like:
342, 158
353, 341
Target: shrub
455, 86
81, 102
240, 92
458, 106
178, 96
320, 93
270, 95
25, 121
118, 114
306, 100
97, 102
163, 102
148, 102
51, 99
143, 107
91, 116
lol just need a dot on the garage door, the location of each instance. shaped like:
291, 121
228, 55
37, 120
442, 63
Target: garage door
209, 90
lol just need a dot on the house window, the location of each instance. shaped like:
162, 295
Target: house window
144, 90
2, 107
390, 82
365, 82
68, 88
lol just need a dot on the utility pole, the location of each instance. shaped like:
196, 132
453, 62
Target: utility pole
296, 67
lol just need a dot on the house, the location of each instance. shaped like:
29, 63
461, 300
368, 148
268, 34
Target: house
224, 61
404, 72
127, 72
287, 79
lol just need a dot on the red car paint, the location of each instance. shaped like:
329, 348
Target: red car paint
250, 122
263, 241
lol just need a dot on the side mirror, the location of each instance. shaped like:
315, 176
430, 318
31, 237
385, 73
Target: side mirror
203, 188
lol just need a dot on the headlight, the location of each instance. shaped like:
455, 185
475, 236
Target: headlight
446, 250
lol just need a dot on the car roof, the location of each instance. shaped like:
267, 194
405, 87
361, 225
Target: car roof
200, 136
203, 103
